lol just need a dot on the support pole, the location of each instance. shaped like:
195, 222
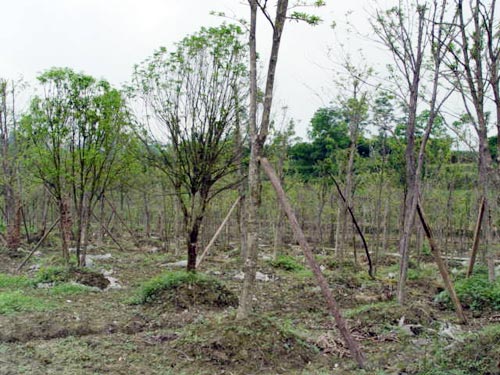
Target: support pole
333, 308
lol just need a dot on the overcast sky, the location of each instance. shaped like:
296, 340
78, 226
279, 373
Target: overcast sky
105, 38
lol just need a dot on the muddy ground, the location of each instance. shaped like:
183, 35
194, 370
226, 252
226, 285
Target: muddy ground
93, 331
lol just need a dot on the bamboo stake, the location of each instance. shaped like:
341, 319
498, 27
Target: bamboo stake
475, 243
333, 308
218, 232
442, 267
37, 245
127, 228
108, 232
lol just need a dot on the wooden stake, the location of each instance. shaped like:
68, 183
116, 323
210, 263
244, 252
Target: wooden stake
333, 308
442, 267
217, 233
113, 209
37, 245
475, 243
103, 226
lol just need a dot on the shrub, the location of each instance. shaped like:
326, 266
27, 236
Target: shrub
475, 292
287, 263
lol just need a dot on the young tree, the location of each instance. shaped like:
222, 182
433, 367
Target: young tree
411, 32
473, 59
194, 94
74, 133
8, 182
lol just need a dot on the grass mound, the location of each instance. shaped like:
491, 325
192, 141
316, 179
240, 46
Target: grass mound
254, 345
184, 289
60, 274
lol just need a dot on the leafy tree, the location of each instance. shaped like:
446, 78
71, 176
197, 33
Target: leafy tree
194, 94
74, 132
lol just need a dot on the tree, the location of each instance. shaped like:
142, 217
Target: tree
412, 31
194, 94
473, 59
74, 133
8, 123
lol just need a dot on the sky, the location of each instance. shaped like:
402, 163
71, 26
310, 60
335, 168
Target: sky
105, 38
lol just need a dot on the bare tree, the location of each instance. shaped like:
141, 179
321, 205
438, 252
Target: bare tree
473, 59
412, 31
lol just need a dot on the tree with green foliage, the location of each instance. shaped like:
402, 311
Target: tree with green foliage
74, 132
9, 181
194, 94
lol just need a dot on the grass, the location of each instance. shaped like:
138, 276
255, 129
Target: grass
52, 274
478, 354
70, 289
17, 301
14, 281
287, 263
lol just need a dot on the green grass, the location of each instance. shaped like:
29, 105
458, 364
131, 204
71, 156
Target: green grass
52, 274
287, 263
70, 289
14, 281
17, 301
478, 354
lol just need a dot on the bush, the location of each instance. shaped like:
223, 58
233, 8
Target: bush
475, 292
287, 263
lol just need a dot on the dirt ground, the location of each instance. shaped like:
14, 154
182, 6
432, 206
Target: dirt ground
101, 332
